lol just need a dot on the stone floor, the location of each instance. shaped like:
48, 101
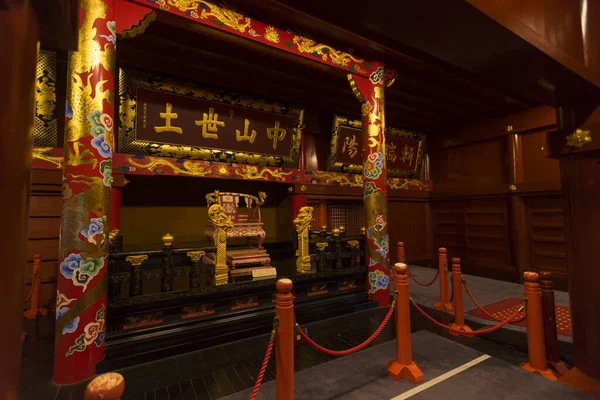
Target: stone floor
363, 376
485, 291
221, 371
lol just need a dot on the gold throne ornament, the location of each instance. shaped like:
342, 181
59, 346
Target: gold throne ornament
303, 222
221, 225
244, 212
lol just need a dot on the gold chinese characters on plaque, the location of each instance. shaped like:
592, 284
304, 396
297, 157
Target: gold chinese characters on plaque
161, 117
404, 149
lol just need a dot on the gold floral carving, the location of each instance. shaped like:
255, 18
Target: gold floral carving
43, 153
340, 58
189, 167
227, 17
262, 196
579, 138
271, 34
303, 222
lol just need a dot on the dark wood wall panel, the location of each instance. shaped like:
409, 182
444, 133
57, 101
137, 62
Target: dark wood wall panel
44, 232
537, 167
547, 234
484, 161
407, 222
449, 227
476, 230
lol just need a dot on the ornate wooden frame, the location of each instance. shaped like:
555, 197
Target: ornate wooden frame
341, 121
130, 81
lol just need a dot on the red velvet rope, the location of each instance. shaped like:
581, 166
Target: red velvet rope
423, 284
352, 350
262, 369
479, 332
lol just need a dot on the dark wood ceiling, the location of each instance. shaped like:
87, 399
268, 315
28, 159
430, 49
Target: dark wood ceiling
424, 97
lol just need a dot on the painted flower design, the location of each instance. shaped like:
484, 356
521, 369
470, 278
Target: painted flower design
70, 264
97, 128
113, 36
377, 75
71, 326
106, 171
370, 188
100, 144
106, 121
192, 14
91, 266
382, 281
95, 227
98, 341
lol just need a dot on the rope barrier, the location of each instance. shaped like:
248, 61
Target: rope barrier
338, 353
479, 332
263, 368
437, 273
483, 310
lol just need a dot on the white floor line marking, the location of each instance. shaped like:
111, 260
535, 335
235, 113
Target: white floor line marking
441, 378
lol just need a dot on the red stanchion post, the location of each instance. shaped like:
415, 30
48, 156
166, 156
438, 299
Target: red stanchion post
284, 341
400, 253
549, 315
459, 310
109, 386
35, 308
444, 303
535, 328
403, 367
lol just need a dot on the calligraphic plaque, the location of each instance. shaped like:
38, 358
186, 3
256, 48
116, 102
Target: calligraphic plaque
163, 117
404, 149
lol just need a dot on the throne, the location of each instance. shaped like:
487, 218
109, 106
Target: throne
244, 212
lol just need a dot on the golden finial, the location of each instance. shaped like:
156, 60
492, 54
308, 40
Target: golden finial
342, 229
168, 239
324, 228
362, 230
336, 232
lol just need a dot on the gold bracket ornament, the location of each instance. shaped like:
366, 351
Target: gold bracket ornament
113, 235
303, 222
136, 261
513, 188
579, 138
222, 224
195, 255
322, 246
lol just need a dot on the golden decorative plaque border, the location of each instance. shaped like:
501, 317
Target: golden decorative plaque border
341, 121
130, 81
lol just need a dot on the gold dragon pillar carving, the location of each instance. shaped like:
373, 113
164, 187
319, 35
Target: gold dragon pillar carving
303, 222
222, 224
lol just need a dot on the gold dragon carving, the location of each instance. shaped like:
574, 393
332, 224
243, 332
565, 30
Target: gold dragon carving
340, 58
189, 167
222, 224
251, 172
43, 153
303, 222
227, 17
262, 196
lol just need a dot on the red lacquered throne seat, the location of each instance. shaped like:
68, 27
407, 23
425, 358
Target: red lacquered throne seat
244, 212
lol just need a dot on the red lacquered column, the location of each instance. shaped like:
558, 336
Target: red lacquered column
370, 93
87, 180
